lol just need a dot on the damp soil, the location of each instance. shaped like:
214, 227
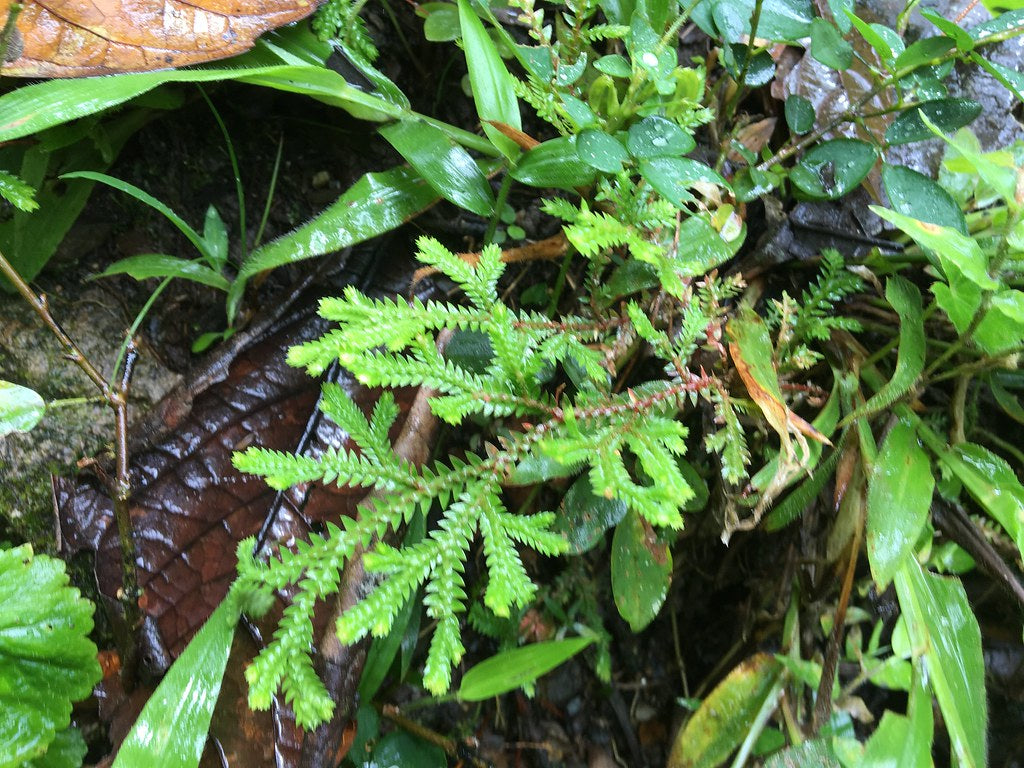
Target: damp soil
725, 603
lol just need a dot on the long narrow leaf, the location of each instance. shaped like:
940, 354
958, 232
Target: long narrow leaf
905, 298
163, 265
493, 91
447, 167
144, 197
171, 729
944, 630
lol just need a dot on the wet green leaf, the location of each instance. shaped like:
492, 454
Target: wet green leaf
585, 516
799, 114
958, 253
946, 114
520, 666
442, 22
215, 235
555, 163
67, 750
17, 192
170, 732
903, 741
829, 47
446, 166
641, 571
873, 38
400, 749
914, 194
673, 177
899, 498
702, 248
924, 51
47, 660
964, 42
601, 151
656, 136
615, 65
833, 168
905, 298
493, 89
726, 715
20, 408
945, 632
375, 204
780, 20
989, 480
148, 265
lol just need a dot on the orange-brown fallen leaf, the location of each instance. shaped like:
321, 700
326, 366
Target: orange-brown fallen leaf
76, 38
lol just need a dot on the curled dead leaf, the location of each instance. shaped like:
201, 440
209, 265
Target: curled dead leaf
76, 38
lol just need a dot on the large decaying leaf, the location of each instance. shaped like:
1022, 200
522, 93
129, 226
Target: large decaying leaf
46, 658
727, 714
66, 38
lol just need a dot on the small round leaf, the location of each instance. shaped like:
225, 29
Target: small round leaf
601, 151
799, 114
20, 408
946, 114
656, 136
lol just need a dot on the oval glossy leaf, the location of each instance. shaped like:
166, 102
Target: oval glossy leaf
47, 660
641, 571
829, 47
946, 114
943, 628
914, 194
20, 408
780, 20
446, 166
724, 718
586, 516
493, 90
899, 497
170, 732
148, 265
601, 151
923, 51
834, 168
656, 136
442, 22
400, 748
520, 666
799, 114
673, 177
555, 163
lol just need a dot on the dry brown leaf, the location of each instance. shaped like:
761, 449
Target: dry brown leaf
76, 38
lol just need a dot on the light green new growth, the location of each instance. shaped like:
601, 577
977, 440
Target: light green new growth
629, 443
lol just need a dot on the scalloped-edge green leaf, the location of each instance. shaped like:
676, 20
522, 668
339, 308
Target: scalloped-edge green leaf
513, 669
67, 750
171, 730
47, 660
724, 718
20, 408
446, 166
944, 630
